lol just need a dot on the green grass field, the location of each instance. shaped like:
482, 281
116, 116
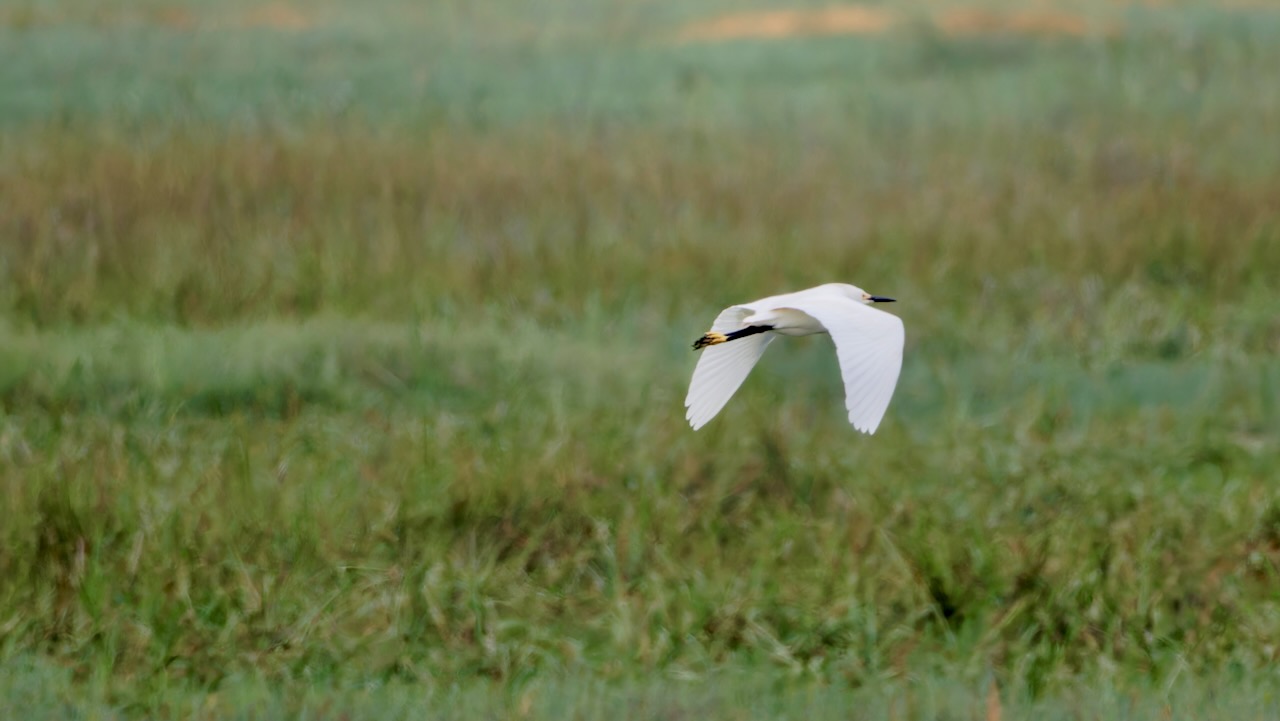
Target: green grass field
344, 351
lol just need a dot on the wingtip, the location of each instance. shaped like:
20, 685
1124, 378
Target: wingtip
867, 428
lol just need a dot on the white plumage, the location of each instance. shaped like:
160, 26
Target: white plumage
868, 344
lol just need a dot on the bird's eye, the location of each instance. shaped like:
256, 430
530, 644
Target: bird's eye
866, 296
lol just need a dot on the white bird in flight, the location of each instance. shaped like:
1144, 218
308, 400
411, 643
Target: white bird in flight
868, 345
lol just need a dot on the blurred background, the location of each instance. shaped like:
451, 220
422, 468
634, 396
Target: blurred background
343, 349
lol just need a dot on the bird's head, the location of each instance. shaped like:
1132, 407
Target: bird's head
863, 296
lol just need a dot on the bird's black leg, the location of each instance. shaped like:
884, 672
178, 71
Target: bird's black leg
714, 338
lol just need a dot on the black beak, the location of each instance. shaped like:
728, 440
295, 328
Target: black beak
881, 299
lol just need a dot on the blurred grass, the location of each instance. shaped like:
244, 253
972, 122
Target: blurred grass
50, 694
347, 349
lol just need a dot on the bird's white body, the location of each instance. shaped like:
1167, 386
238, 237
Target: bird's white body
868, 344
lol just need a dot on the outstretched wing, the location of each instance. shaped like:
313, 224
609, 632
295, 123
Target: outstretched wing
722, 368
869, 347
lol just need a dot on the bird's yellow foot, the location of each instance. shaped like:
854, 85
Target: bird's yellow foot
709, 338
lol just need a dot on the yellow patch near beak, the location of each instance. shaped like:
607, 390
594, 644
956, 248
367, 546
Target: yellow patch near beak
709, 338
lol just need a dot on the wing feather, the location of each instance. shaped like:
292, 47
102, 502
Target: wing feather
722, 368
869, 347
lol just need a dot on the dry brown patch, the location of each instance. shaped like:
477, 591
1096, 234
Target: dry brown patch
868, 20
273, 16
836, 20
1045, 22
175, 18
995, 711
276, 16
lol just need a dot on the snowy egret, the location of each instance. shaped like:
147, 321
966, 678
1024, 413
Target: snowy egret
868, 346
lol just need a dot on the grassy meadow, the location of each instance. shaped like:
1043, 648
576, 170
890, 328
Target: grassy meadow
344, 349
